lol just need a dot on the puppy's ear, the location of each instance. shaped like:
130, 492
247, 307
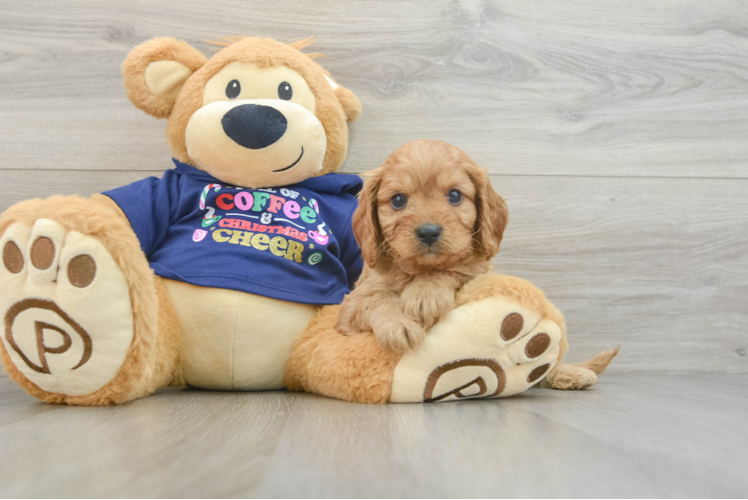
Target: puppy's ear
492, 213
365, 221
155, 71
347, 99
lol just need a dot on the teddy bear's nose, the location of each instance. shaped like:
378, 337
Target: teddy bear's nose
254, 126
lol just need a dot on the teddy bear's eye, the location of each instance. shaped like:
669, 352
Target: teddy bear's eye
284, 91
233, 89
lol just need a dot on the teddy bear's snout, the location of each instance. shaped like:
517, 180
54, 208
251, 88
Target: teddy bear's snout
254, 126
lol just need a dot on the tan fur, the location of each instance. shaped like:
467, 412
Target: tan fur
524, 292
166, 362
419, 288
233, 340
599, 363
333, 107
349, 101
152, 359
356, 368
580, 375
134, 69
399, 295
563, 377
408, 286
350, 368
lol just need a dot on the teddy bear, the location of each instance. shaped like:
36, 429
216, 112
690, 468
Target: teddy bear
225, 273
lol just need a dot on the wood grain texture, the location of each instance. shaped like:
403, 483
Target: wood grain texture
658, 266
615, 130
530, 88
632, 435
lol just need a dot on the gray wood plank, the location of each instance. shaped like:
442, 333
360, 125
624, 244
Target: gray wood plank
20, 185
668, 410
632, 435
579, 109
174, 444
583, 88
658, 266
504, 449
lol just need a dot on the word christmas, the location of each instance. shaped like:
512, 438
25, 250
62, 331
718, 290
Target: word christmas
269, 208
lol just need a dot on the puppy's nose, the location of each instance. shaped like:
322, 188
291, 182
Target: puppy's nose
254, 126
429, 233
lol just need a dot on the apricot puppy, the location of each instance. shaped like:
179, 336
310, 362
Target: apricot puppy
428, 222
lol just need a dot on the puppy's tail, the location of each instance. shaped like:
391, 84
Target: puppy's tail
580, 375
599, 363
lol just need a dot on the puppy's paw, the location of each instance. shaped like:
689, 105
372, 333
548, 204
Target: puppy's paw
348, 321
425, 303
347, 328
349, 318
398, 333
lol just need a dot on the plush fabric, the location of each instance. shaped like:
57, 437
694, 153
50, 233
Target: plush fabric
167, 78
196, 230
42, 336
464, 357
88, 322
168, 58
265, 53
152, 353
232, 340
352, 368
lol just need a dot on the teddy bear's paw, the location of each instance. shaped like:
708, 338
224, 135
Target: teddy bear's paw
68, 322
494, 347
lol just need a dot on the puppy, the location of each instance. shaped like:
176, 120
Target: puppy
428, 222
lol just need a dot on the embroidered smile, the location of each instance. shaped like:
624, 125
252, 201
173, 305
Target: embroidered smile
294, 163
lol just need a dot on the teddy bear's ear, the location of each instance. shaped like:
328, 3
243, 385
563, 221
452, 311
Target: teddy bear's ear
349, 101
155, 71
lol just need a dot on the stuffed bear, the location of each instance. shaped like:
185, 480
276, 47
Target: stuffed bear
223, 274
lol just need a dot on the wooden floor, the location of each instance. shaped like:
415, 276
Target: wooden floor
617, 132
633, 435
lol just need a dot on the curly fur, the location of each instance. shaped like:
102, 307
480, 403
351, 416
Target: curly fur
407, 286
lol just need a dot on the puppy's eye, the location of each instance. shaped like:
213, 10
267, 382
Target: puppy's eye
454, 197
233, 89
284, 91
399, 201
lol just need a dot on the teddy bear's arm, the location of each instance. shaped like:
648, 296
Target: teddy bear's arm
148, 205
350, 252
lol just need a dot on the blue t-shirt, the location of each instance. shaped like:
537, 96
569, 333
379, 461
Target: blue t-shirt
293, 243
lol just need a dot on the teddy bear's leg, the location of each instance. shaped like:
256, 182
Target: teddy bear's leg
85, 320
561, 376
354, 368
502, 338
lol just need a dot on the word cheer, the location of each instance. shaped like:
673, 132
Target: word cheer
277, 245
